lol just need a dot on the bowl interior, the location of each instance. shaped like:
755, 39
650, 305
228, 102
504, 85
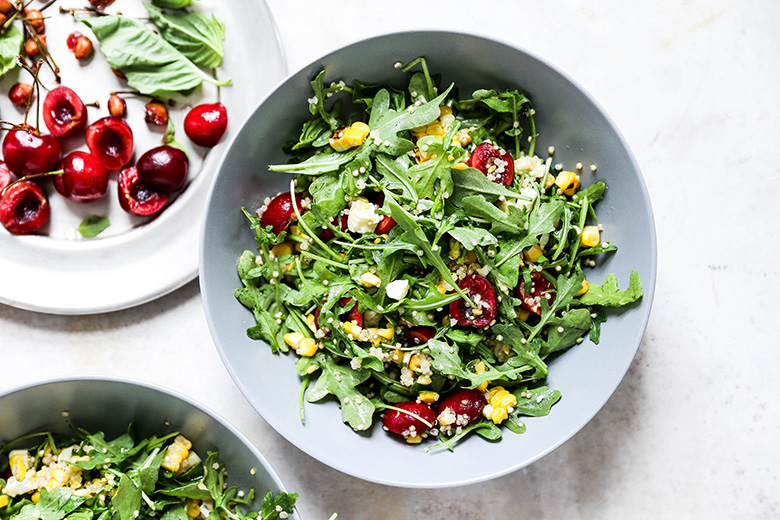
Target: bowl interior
567, 118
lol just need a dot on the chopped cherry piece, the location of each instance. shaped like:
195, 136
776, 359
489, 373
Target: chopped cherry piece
20, 93
494, 162
27, 152
163, 168
5, 176
482, 293
205, 124
137, 199
465, 404
419, 335
84, 179
540, 288
63, 112
279, 212
406, 424
110, 139
24, 208
385, 225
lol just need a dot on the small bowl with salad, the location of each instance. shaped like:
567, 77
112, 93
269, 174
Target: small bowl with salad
107, 448
428, 258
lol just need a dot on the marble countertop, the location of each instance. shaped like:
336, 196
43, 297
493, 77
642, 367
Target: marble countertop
692, 431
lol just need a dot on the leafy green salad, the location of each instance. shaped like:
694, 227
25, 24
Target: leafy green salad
86, 476
426, 263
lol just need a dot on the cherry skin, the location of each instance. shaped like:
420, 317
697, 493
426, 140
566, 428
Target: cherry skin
540, 288
137, 199
24, 208
163, 168
385, 225
110, 140
5, 176
406, 424
482, 293
327, 234
466, 404
206, 124
26, 152
494, 162
84, 179
63, 112
279, 212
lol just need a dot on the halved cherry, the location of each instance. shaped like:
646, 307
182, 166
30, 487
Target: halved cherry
494, 162
354, 315
135, 197
540, 288
205, 124
279, 212
24, 208
5, 176
63, 112
163, 168
416, 419
465, 404
25, 151
385, 225
328, 234
110, 139
482, 293
419, 335
84, 179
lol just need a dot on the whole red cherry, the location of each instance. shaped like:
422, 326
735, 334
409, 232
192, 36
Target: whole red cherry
63, 112
482, 293
205, 124
163, 168
24, 208
540, 288
279, 212
110, 140
136, 198
494, 162
465, 404
25, 151
84, 178
408, 425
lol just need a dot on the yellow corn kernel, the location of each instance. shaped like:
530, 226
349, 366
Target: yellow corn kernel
18, 462
349, 137
4, 500
480, 368
471, 257
414, 439
415, 362
548, 181
499, 415
441, 289
459, 166
428, 397
307, 347
590, 236
424, 379
352, 329
397, 356
454, 249
500, 402
35, 497
585, 287
370, 280
193, 509
444, 111
310, 321
59, 476
386, 334
533, 253
293, 339
568, 182
175, 453
523, 314
279, 250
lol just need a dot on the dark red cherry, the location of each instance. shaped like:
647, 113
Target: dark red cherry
385, 225
84, 179
494, 162
540, 288
406, 424
135, 197
465, 404
110, 140
26, 152
482, 293
327, 234
5, 176
420, 335
163, 168
279, 212
63, 112
24, 208
205, 124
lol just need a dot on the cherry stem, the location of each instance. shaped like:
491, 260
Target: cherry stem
30, 177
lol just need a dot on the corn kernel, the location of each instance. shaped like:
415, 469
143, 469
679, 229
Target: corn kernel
585, 287
428, 397
193, 509
548, 181
568, 182
307, 347
590, 236
349, 137
18, 462
352, 329
175, 453
441, 289
424, 379
523, 314
499, 401
414, 439
533, 253
415, 362
311, 322
454, 249
480, 368
387, 333
282, 249
4, 500
397, 356
459, 166
58, 478
499, 415
293, 339
35, 497
370, 280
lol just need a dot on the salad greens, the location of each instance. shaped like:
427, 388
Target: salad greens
86, 476
373, 281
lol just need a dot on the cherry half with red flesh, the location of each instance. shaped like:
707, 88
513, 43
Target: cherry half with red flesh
26, 152
110, 139
163, 168
279, 212
408, 425
63, 112
466, 404
540, 288
135, 197
24, 208
494, 162
483, 294
84, 179
206, 124
385, 225
419, 335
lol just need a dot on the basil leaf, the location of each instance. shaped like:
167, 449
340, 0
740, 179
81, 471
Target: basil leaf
93, 225
10, 46
196, 35
171, 4
152, 66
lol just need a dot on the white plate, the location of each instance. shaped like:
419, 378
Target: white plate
135, 259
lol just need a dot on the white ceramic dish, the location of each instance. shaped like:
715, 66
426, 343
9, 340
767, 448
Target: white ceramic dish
566, 117
135, 259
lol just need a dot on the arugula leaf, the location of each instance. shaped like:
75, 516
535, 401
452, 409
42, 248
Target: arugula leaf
152, 65
326, 190
482, 427
127, 499
535, 402
470, 181
514, 222
356, 409
52, 505
540, 221
473, 237
274, 504
11, 42
196, 35
563, 332
609, 295
176, 512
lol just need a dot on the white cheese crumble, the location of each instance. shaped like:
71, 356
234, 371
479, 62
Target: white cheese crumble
397, 289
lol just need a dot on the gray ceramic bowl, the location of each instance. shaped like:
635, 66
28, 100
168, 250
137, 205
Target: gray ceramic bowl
567, 117
110, 405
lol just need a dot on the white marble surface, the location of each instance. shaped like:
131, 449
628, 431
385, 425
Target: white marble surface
692, 432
